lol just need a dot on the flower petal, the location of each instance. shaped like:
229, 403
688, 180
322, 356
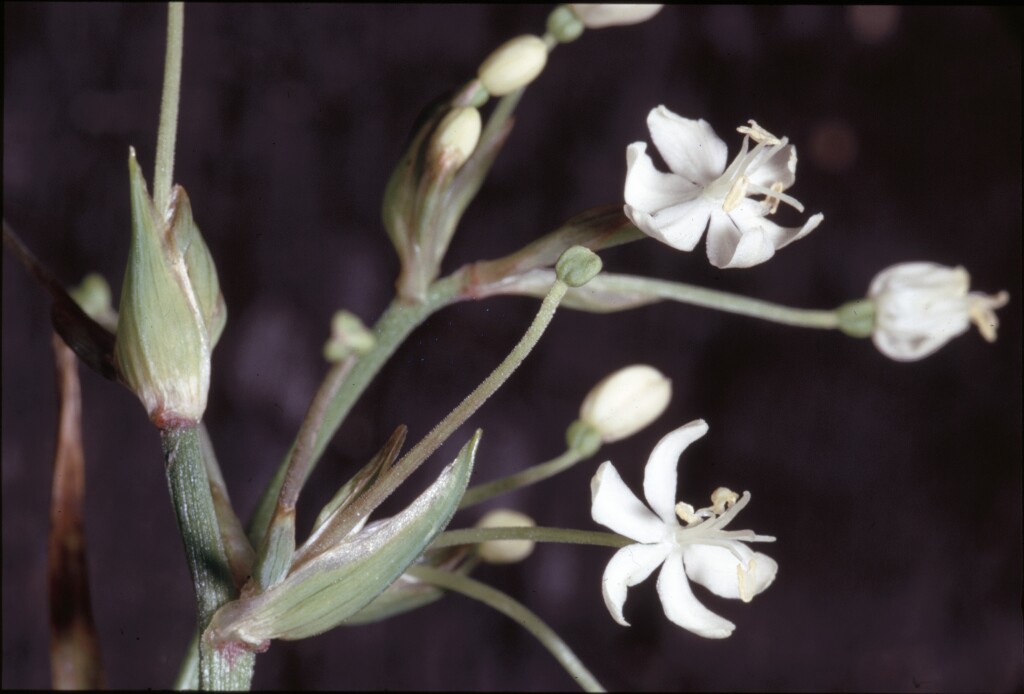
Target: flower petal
679, 226
630, 565
660, 474
781, 237
647, 188
778, 165
682, 608
738, 239
689, 147
715, 568
615, 507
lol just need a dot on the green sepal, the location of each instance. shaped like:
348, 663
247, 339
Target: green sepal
334, 584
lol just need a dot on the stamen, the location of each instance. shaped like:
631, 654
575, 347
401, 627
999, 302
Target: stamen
775, 200
686, 513
722, 498
981, 310
736, 194
776, 195
746, 580
758, 134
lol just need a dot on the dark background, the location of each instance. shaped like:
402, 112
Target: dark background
894, 489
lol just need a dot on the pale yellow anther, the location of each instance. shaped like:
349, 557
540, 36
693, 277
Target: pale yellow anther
722, 498
981, 308
686, 513
758, 134
746, 580
772, 201
736, 194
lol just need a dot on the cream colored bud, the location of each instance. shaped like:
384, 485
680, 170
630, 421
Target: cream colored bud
514, 64
626, 401
505, 551
456, 137
598, 15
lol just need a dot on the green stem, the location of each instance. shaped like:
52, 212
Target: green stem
474, 536
516, 611
457, 417
163, 177
531, 475
204, 550
397, 322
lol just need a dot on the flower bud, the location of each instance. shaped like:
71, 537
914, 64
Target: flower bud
505, 551
172, 312
564, 25
598, 15
455, 138
577, 266
94, 296
626, 401
514, 64
921, 306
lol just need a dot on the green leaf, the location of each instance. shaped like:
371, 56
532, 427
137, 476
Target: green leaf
322, 591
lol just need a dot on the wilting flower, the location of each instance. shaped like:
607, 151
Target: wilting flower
701, 550
921, 306
675, 207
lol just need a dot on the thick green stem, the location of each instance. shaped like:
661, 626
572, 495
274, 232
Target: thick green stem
516, 611
163, 177
204, 550
531, 475
474, 536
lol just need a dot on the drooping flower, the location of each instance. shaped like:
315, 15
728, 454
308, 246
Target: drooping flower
701, 550
675, 207
921, 306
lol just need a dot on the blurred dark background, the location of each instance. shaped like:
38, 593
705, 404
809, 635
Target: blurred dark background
894, 489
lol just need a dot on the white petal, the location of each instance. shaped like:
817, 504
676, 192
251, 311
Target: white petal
781, 237
689, 147
680, 226
647, 188
630, 565
714, 567
779, 166
682, 608
615, 507
737, 239
660, 474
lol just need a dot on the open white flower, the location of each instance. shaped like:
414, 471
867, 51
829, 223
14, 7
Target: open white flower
675, 207
921, 306
701, 550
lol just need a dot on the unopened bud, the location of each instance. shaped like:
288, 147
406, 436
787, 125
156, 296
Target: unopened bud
172, 312
564, 25
597, 15
626, 401
577, 266
505, 551
514, 64
94, 297
455, 138
348, 336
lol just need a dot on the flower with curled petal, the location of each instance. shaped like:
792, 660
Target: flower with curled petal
921, 306
701, 551
675, 207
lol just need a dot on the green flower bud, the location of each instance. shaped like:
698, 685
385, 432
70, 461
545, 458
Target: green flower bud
577, 266
514, 64
172, 312
348, 336
564, 25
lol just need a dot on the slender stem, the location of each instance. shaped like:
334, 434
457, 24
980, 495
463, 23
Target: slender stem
163, 177
474, 536
516, 611
204, 550
397, 322
722, 301
457, 417
531, 475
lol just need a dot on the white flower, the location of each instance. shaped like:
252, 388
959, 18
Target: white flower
921, 306
626, 401
675, 207
701, 550
599, 15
